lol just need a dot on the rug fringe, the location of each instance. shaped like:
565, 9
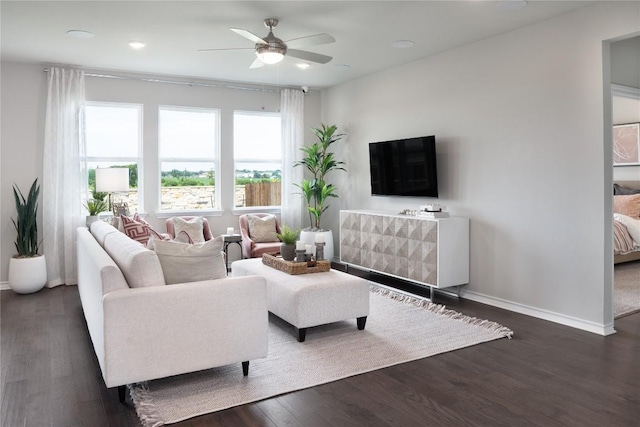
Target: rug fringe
142, 401
440, 309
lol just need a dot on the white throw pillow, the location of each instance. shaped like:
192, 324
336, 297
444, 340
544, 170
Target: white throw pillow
182, 262
194, 228
262, 229
632, 224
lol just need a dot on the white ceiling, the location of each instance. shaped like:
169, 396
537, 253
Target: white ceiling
173, 30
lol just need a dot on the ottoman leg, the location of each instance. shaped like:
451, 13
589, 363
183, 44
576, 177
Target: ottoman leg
245, 368
302, 334
361, 322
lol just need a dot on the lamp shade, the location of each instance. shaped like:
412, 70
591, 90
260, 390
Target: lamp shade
109, 180
270, 54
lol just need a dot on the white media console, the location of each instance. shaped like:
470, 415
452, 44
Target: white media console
426, 251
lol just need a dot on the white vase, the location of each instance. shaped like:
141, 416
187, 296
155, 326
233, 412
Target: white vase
309, 238
91, 219
27, 275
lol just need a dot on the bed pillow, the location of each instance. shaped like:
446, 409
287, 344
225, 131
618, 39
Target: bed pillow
183, 263
633, 226
262, 229
628, 205
623, 191
194, 228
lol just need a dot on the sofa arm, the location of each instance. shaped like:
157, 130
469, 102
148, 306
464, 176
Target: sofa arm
156, 332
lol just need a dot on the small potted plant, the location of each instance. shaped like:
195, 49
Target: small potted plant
27, 269
94, 207
288, 237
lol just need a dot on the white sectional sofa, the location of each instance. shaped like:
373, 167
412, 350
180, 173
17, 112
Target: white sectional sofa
155, 330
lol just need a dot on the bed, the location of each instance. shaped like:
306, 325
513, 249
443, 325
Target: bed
626, 220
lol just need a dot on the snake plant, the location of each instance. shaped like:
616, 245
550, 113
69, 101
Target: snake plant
26, 221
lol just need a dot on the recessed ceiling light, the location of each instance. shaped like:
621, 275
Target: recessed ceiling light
511, 5
342, 66
303, 65
80, 34
403, 44
136, 44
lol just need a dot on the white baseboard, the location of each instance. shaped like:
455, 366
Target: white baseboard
4, 286
551, 316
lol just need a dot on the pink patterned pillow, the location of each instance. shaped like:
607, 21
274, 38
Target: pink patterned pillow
138, 230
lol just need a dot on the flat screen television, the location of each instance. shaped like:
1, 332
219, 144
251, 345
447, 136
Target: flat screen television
404, 167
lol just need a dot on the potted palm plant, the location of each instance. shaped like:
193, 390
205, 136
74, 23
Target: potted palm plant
319, 161
94, 207
288, 237
27, 269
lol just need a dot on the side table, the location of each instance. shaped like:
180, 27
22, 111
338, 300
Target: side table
228, 239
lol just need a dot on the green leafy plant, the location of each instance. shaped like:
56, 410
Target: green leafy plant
288, 235
95, 206
319, 162
26, 221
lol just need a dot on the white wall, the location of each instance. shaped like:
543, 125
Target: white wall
518, 120
23, 102
23, 93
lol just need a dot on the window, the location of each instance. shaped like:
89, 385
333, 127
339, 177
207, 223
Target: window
113, 139
189, 158
258, 158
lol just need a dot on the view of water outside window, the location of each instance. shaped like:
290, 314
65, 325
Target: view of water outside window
257, 158
189, 147
112, 135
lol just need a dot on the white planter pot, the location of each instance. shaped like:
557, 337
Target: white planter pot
309, 237
91, 219
27, 275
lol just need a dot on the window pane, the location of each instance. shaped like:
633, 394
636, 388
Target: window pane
112, 134
112, 131
258, 159
257, 136
187, 185
188, 134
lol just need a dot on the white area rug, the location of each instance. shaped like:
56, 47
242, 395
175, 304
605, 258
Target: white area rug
626, 288
399, 329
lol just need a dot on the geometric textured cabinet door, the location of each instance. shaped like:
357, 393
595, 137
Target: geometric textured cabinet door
433, 252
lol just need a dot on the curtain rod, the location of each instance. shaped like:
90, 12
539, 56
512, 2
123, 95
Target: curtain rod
177, 82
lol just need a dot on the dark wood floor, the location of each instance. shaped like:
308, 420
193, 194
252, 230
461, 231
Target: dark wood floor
547, 375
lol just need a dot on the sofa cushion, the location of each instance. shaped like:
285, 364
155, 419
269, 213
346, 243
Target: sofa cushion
194, 228
182, 262
262, 229
100, 230
139, 265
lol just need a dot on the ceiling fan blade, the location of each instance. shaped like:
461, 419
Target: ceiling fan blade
314, 40
226, 48
309, 56
256, 64
248, 35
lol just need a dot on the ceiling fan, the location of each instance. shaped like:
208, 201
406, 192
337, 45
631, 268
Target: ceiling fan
271, 49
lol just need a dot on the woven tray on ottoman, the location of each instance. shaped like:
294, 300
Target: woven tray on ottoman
274, 260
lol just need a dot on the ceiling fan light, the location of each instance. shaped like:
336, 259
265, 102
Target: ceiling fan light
270, 55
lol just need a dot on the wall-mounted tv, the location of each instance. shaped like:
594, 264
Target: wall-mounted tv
405, 167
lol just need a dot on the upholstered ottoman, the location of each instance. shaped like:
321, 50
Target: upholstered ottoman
307, 300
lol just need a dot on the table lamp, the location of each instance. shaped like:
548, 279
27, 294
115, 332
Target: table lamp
112, 180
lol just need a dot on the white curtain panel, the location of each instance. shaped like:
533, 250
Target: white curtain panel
292, 111
64, 184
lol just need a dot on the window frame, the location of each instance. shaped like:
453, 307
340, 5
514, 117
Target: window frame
138, 160
247, 209
215, 211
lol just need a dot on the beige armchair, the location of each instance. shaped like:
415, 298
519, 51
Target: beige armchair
251, 249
